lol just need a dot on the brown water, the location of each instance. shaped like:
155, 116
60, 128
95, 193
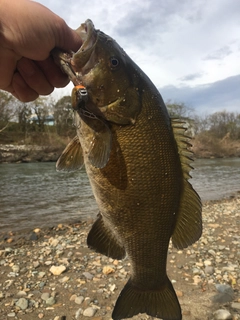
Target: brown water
35, 195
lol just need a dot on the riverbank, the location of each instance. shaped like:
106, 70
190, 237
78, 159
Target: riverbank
51, 274
11, 153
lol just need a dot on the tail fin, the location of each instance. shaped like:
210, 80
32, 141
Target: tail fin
161, 303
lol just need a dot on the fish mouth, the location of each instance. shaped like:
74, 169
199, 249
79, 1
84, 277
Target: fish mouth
84, 59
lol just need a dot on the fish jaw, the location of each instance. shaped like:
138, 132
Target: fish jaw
83, 60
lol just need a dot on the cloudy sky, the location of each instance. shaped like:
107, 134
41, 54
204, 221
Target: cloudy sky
190, 48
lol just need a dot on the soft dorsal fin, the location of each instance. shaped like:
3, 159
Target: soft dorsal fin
71, 158
188, 228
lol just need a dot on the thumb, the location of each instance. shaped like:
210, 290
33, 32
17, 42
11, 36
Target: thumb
67, 39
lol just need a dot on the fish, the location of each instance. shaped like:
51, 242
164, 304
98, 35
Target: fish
138, 161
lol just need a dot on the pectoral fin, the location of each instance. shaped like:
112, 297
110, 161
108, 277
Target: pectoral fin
100, 148
72, 157
188, 227
102, 240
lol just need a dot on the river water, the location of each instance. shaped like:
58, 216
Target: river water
35, 195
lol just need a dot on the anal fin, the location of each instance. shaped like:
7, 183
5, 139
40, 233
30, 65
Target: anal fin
102, 240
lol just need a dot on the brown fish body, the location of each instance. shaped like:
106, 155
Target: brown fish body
139, 181
138, 191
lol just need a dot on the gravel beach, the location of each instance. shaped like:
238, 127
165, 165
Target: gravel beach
51, 274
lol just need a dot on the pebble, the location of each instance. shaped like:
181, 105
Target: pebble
78, 313
45, 296
79, 300
108, 270
11, 314
88, 275
222, 314
89, 312
22, 303
21, 294
209, 270
236, 305
225, 288
93, 281
15, 268
57, 270
50, 301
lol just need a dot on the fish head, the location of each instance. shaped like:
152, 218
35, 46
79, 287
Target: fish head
109, 75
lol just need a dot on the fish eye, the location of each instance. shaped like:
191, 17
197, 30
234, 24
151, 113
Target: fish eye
114, 62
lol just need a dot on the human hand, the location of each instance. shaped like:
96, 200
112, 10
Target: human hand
28, 33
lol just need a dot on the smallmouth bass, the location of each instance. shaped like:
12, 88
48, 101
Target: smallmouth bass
138, 162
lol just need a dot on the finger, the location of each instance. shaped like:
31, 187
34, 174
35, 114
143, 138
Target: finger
53, 73
8, 62
21, 90
34, 77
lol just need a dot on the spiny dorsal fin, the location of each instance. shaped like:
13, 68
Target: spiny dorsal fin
188, 228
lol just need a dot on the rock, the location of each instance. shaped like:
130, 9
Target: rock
53, 242
21, 294
78, 313
179, 293
212, 252
235, 305
15, 268
22, 303
57, 270
225, 288
88, 275
41, 274
73, 297
196, 280
50, 301
89, 312
64, 279
209, 270
112, 287
33, 237
222, 314
79, 300
207, 263
222, 298
107, 270
196, 271
45, 296
36, 264
11, 314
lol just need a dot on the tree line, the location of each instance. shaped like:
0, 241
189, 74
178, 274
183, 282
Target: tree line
27, 122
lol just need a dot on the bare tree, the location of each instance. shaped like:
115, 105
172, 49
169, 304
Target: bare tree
179, 110
63, 115
6, 110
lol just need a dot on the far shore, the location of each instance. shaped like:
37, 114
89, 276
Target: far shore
11, 153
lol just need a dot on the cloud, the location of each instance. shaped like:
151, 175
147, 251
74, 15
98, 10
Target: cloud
192, 76
190, 42
219, 54
208, 98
